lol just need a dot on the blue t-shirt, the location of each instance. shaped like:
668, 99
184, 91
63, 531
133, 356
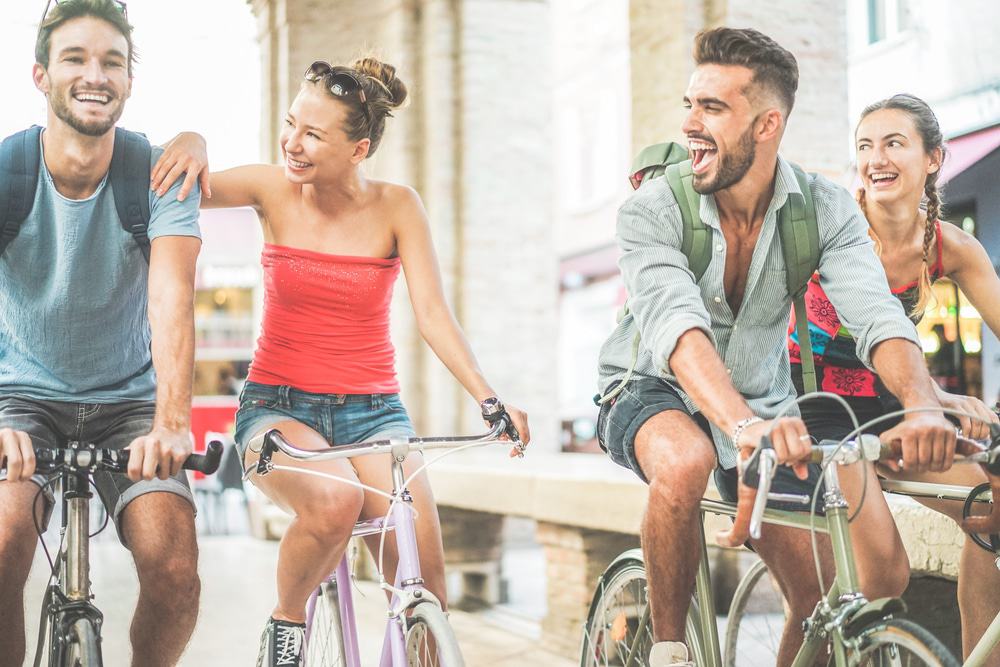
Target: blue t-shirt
73, 297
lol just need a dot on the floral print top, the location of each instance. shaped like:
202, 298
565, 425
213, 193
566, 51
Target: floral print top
838, 369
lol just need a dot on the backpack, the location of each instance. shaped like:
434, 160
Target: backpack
798, 232
20, 162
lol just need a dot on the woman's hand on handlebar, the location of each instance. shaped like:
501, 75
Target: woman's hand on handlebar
926, 441
519, 421
977, 429
790, 440
16, 454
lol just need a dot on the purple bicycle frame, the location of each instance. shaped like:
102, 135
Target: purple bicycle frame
407, 578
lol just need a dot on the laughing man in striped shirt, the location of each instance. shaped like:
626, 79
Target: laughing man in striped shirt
712, 371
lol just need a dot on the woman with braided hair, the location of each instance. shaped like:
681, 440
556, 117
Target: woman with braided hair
324, 371
900, 151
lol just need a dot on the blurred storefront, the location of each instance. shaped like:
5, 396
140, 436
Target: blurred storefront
227, 313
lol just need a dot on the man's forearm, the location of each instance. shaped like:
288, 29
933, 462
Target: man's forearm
901, 367
702, 375
171, 320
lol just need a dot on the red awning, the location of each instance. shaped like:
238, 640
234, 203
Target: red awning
967, 150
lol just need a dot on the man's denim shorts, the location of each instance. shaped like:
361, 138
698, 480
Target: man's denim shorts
341, 419
108, 425
621, 418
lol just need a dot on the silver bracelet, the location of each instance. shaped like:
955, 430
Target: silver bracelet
741, 426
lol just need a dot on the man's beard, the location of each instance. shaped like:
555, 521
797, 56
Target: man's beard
732, 166
96, 128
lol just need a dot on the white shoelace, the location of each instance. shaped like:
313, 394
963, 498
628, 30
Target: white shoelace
288, 644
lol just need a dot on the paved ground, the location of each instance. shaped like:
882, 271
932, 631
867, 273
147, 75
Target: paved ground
238, 592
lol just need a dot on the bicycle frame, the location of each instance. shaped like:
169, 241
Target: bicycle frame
69, 596
843, 599
408, 590
408, 580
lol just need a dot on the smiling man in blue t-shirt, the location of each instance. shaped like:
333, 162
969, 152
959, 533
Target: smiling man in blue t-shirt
95, 344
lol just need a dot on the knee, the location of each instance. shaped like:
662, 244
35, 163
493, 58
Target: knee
681, 478
886, 583
171, 575
330, 515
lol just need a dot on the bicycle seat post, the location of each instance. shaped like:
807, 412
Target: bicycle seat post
76, 503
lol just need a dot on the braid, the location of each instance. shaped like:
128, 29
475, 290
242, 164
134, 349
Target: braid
925, 293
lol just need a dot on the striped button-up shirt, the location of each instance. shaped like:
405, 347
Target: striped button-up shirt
665, 301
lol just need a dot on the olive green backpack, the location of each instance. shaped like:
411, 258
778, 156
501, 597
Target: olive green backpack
797, 230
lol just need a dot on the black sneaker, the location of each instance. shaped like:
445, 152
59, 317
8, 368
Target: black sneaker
281, 644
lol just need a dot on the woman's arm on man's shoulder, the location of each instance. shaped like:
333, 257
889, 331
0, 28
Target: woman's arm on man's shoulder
186, 154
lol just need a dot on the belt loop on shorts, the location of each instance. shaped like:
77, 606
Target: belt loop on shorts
284, 401
377, 402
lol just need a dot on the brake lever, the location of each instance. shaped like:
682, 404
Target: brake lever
766, 464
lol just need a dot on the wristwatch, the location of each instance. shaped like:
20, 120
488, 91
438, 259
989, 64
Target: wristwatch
491, 408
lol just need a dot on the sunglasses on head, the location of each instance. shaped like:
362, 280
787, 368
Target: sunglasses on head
118, 3
340, 81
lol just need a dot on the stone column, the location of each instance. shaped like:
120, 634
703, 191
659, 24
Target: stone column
472, 547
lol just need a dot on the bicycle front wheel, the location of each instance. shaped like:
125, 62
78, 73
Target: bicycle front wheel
756, 620
83, 645
324, 636
898, 643
430, 641
618, 630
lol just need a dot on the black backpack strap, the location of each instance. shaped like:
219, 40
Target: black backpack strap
129, 174
20, 159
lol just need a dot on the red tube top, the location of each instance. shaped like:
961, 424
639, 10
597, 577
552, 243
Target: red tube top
326, 322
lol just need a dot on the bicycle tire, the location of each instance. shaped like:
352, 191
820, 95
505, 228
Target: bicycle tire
898, 642
425, 622
325, 643
754, 638
613, 624
83, 646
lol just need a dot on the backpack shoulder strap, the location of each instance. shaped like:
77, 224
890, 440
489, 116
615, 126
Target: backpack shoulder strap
696, 241
20, 159
129, 174
798, 230
653, 160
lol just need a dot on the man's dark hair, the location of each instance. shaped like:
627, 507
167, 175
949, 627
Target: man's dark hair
773, 66
61, 12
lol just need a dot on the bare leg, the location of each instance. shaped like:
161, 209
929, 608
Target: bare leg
159, 529
325, 513
882, 564
789, 557
376, 471
17, 546
978, 577
677, 458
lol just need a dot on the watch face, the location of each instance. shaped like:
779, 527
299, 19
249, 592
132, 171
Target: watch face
491, 406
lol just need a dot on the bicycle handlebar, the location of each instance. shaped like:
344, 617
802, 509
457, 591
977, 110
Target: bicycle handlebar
754, 489
273, 441
87, 457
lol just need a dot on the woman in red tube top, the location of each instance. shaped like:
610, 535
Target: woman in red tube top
324, 371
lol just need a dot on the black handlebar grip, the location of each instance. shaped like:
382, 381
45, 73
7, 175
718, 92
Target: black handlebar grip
751, 471
208, 462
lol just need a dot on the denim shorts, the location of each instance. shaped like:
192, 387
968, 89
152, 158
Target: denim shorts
108, 425
621, 418
341, 419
